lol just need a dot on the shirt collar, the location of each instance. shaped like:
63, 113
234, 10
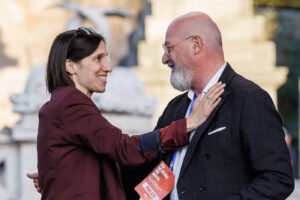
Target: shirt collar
191, 94
210, 83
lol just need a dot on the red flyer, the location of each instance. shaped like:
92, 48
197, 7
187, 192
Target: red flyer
158, 184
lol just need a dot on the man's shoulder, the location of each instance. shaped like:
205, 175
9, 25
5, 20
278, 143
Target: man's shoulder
178, 99
243, 86
238, 84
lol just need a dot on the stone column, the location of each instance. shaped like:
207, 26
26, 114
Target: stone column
8, 156
24, 135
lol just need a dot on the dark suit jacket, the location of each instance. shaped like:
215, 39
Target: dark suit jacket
79, 150
248, 159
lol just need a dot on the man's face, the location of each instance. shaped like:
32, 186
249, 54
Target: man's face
176, 57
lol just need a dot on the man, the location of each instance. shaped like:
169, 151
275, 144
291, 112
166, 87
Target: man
240, 151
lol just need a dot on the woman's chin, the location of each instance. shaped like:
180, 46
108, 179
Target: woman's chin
101, 90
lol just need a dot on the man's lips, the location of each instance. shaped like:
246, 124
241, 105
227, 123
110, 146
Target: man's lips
170, 64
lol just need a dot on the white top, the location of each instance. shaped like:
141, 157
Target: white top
180, 152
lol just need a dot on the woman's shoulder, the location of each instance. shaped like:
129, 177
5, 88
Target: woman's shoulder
56, 99
67, 100
63, 91
68, 95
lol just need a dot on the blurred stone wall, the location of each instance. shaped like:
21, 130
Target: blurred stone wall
27, 30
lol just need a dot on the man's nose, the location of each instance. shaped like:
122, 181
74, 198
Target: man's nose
165, 58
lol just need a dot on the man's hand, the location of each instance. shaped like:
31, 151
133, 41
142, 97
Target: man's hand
36, 181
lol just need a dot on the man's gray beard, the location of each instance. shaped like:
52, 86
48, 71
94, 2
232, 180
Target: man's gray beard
181, 78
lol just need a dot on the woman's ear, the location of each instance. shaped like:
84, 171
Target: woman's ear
70, 67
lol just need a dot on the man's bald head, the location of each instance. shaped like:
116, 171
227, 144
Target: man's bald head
197, 23
193, 43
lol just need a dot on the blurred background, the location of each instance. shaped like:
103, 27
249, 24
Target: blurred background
261, 41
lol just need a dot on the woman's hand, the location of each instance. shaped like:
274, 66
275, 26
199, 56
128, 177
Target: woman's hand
36, 182
202, 109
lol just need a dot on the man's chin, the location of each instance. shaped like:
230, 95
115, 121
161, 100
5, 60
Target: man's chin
179, 87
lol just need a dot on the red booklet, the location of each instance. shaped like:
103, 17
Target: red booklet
158, 184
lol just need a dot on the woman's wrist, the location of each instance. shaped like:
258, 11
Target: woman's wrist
191, 124
175, 135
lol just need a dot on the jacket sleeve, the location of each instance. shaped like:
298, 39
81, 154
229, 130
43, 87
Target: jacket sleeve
263, 141
85, 126
170, 137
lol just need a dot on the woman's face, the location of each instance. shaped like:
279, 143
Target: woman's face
91, 72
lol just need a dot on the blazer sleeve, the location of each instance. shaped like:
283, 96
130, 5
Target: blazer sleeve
84, 125
263, 141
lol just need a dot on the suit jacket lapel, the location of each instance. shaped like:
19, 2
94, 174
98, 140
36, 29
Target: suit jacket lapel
182, 108
179, 113
226, 77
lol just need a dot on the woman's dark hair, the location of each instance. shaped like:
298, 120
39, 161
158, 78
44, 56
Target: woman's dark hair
74, 45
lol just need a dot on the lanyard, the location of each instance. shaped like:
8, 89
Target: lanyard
189, 113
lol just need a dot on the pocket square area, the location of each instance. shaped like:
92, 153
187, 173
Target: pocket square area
216, 130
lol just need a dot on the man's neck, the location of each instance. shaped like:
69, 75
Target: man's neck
201, 82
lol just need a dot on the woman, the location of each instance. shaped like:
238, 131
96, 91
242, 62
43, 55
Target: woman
78, 149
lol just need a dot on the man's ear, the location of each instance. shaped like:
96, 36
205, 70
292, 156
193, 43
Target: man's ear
70, 67
198, 44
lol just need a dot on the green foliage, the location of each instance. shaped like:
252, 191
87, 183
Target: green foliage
272, 25
278, 3
283, 26
288, 54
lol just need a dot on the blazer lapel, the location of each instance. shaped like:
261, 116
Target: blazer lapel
179, 113
226, 77
182, 108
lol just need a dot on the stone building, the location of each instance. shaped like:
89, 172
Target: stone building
27, 35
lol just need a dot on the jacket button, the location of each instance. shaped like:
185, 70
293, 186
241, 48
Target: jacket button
202, 188
206, 156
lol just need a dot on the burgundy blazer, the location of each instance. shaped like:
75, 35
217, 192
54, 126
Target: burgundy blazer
79, 150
